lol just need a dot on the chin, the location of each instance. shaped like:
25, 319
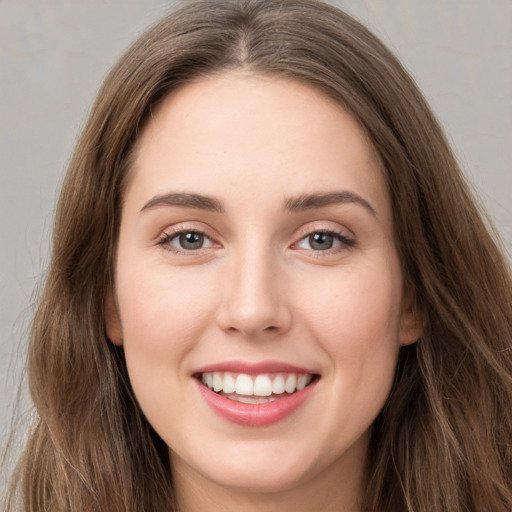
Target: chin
274, 479
248, 468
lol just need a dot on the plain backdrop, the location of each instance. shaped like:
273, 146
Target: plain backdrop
55, 53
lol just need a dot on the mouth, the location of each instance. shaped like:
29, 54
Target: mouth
260, 388
255, 394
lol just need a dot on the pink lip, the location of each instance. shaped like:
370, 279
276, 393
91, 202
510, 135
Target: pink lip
254, 415
253, 368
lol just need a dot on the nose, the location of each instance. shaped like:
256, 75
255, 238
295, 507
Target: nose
255, 302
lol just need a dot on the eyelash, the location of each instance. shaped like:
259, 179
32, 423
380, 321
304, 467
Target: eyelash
168, 237
345, 242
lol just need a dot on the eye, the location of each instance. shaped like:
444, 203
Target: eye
323, 241
186, 241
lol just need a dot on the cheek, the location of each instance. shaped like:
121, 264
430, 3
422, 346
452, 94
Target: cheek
164, 316
360, 305
163, 313
356, 320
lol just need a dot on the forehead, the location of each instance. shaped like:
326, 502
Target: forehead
240, 134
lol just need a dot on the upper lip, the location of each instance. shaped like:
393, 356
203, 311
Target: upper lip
253, 368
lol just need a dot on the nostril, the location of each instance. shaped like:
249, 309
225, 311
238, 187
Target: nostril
236, 330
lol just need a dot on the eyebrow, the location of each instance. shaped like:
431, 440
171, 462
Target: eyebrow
312, 201
293, 204
186, 200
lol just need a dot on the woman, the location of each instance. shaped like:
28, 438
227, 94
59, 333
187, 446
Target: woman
270, 286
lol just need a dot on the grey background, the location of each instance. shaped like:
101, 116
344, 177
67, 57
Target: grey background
54, 54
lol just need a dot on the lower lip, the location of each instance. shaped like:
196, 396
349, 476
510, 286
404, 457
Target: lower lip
255, 415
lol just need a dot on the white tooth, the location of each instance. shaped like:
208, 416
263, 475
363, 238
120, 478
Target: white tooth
228, 384
278, 385
262, 385
244, 385
217, 381
209, 380
203, 379
291, 383
251, 399
247, 399
243, 399
301, 382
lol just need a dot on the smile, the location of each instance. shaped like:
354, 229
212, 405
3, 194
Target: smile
255, 389
255, 395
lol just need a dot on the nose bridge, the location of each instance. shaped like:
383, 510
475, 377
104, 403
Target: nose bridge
254, 298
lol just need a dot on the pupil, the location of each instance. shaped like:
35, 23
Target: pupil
191, 241
321, 241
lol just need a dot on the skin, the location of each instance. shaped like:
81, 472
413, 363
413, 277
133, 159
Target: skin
258, 290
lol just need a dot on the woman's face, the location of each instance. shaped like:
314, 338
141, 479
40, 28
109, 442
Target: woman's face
256, 256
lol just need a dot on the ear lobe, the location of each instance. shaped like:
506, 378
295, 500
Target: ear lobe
412, 321
112, 320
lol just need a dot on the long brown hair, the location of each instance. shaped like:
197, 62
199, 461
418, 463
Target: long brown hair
442, 443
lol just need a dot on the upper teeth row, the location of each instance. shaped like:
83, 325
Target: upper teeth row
257, 385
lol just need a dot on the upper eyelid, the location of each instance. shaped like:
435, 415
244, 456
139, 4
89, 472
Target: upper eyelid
324, 227
184, 227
